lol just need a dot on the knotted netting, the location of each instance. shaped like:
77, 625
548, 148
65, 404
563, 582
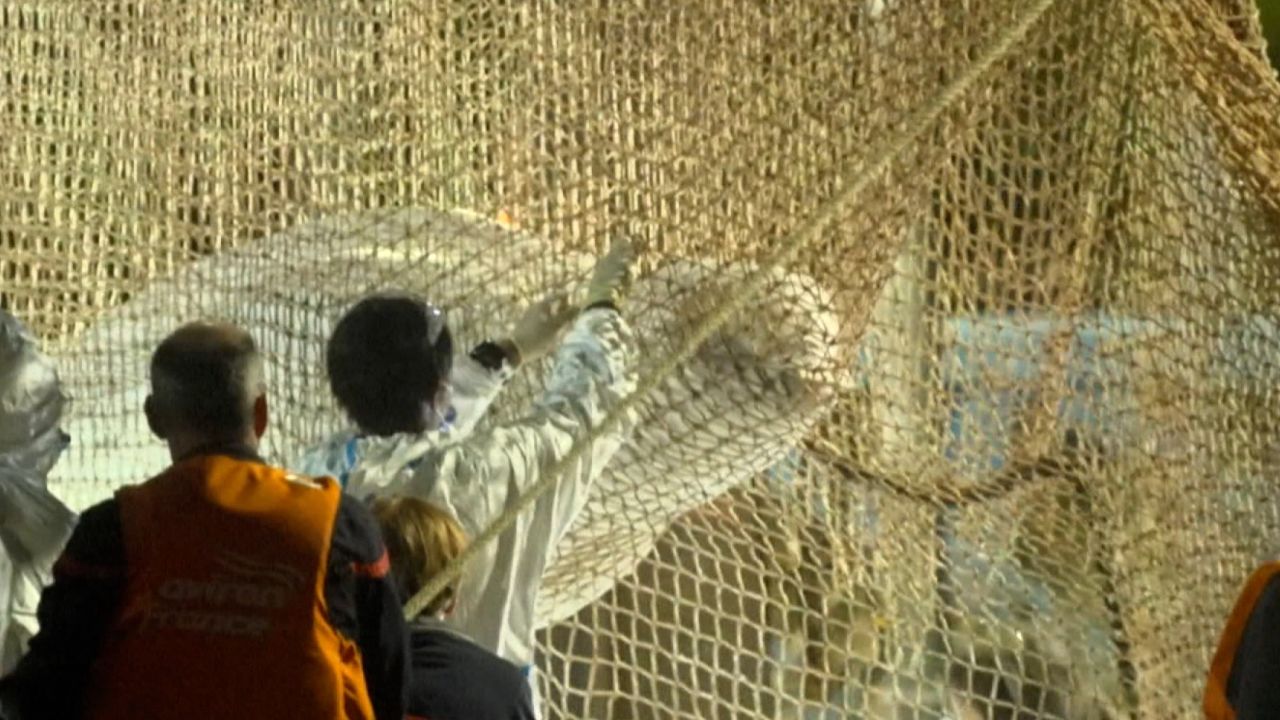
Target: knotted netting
956, 316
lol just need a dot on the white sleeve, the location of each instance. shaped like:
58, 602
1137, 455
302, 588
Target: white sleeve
479, 477
33, 516
35, 527
31, 402
474, 387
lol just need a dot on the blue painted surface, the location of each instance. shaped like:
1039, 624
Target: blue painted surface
993, 351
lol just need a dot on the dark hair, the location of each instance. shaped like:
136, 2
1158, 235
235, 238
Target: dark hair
206, 377
383, 365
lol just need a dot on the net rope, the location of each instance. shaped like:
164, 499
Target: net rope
957, 344
876, 162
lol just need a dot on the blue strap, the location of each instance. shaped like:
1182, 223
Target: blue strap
350, 462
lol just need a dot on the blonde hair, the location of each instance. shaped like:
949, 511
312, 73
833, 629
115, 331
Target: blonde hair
422, 540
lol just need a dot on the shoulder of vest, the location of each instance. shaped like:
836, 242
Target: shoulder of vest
316, 483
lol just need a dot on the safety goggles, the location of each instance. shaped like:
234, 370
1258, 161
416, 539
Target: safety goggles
435, 323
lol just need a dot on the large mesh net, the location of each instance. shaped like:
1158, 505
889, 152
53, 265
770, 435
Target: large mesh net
956, 316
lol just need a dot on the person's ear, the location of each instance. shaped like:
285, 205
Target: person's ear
453, 605
260, 415
154, 420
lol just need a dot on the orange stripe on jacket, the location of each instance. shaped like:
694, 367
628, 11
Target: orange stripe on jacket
1216, 705
376, 569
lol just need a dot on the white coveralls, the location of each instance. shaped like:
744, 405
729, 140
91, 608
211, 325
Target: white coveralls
478, 477
473, 388
34, 525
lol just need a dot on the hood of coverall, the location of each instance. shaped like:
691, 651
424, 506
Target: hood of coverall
31, 402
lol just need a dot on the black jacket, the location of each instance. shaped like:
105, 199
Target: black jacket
78, 609
456, 679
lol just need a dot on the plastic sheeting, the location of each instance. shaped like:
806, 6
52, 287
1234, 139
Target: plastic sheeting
33, 523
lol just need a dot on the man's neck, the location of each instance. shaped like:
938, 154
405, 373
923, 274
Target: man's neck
183, 446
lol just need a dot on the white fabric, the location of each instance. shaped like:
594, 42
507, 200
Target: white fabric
473, 390
34, 524
478, 481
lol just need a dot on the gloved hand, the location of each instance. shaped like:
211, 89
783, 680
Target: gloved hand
612, 276
535, 333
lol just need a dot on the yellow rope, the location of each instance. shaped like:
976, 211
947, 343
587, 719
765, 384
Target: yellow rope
863, 172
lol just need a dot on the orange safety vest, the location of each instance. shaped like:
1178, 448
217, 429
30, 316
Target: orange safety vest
1216, 706
224, 614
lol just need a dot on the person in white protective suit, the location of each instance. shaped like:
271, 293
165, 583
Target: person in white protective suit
471, 383
387, 360
34, 524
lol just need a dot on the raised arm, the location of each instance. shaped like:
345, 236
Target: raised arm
480, 478
479, 377
590, 377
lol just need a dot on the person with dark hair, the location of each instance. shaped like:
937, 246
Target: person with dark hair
33, 523
222, 587
373, 352
387, 352
452, 678
392, 368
